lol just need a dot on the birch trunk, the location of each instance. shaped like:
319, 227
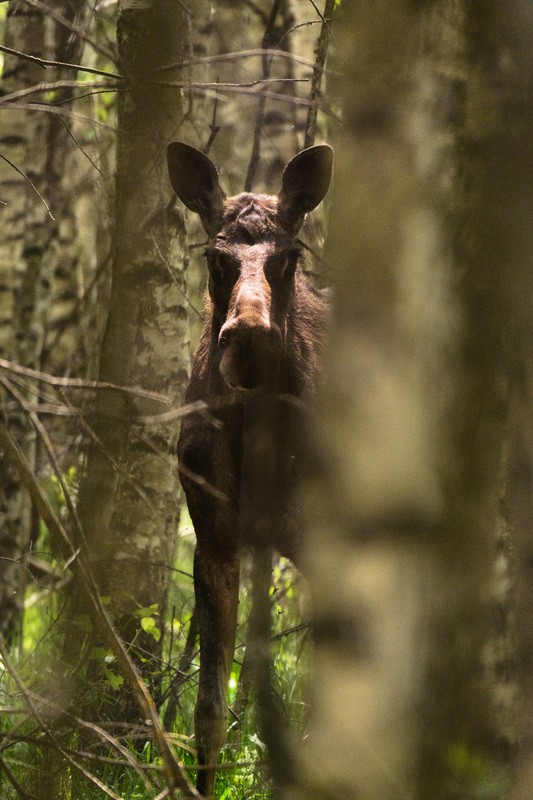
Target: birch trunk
25, 230
129, 498
33, 256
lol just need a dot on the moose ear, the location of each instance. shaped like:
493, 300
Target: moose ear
305, 181
194, 178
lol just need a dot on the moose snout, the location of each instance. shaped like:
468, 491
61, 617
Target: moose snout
251, 352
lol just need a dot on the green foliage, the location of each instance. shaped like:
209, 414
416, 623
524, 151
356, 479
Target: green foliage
147, 618
474, 774
243, 769
55, 493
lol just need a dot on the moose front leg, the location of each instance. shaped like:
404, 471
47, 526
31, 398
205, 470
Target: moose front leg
216, 584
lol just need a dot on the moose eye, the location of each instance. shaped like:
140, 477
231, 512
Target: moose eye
282, 266
221, 265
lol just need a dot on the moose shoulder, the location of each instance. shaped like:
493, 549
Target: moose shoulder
263, 334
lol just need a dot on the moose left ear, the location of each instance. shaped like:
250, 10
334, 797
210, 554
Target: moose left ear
305, 182
194, 178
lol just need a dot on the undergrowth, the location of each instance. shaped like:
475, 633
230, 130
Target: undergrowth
37, 742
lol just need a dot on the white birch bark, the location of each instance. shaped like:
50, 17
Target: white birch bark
130, 507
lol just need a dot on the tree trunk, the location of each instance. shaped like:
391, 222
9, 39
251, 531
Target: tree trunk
26, 229
129, 497
427, 234
33, 256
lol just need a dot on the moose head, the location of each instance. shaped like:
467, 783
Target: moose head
252, 256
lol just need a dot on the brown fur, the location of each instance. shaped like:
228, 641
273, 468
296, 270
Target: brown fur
263, 333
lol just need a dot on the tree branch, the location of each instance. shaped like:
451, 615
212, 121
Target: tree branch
44, 63
61, 20
321, 55
26, 178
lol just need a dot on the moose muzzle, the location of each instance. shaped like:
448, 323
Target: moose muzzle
250, 353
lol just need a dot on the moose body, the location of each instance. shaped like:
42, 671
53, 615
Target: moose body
262, 337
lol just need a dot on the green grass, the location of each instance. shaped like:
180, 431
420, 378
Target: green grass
243, 773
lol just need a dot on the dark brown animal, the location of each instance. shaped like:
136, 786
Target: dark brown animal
263, 333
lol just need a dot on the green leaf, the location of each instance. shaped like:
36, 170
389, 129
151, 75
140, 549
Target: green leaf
148, 624
114, 679
99, 653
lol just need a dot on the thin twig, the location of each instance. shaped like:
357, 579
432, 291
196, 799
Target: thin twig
70, 26
299, 101
54, 86
296, 27
26, 178
214, 128
240, 54
111, 87
47, 108
78, 145
204, 483
207, 92
106, 737
322, 16
175, 280
237, 86
321, 55
80, 383
44, 63
28, 570
115, 464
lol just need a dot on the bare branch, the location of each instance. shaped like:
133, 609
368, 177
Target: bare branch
70, 26
296, 27
321, 54
95, 438
26, 178
54, 86
85, 153
79, 383
44, 63
254, 53
324, 17
64, 112
213, 127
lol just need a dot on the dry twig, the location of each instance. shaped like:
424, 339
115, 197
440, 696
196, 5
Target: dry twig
318, 71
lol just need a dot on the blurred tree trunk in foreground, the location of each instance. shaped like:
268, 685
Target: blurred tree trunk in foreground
429, 229
129, 497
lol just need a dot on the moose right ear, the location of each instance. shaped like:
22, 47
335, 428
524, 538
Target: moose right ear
194, 178
305, 181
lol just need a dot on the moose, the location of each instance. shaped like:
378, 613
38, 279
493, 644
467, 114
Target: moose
263, 333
